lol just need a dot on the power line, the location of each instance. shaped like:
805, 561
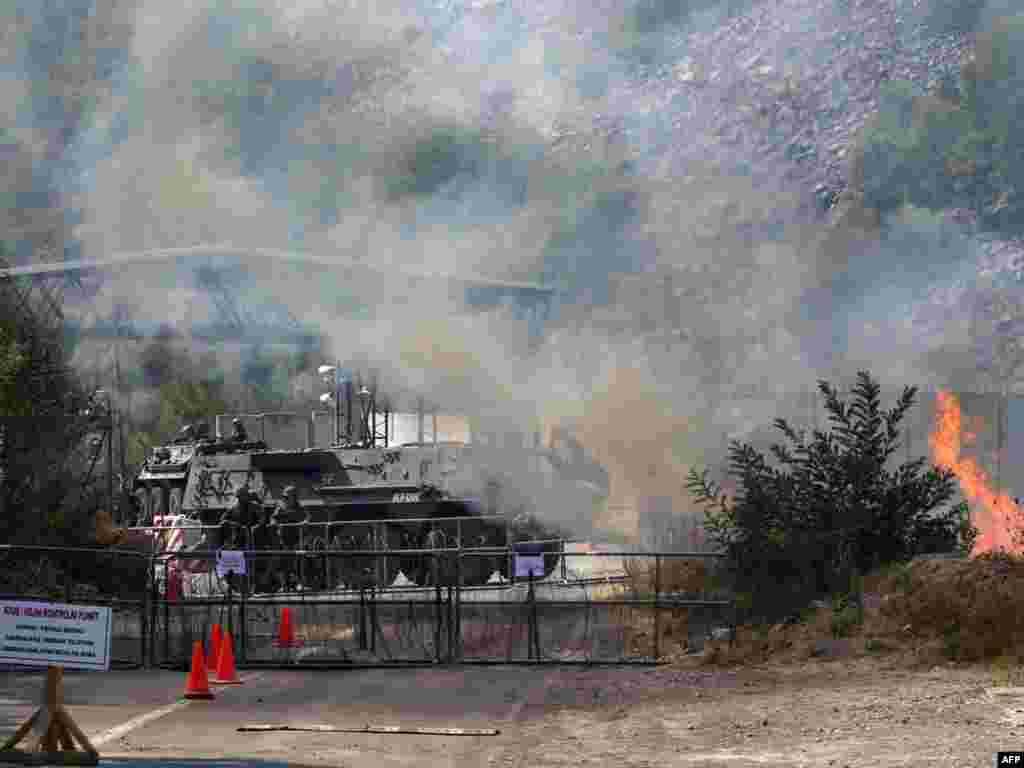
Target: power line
158, 255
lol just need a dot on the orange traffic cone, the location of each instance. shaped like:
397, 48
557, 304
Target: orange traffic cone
226, 673
285, 635
197, 686
214, 649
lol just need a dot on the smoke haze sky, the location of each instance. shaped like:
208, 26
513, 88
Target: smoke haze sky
552, 141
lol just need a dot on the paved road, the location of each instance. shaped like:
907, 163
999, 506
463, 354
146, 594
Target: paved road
479, 697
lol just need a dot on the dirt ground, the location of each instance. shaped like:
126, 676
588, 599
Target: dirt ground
931, 673
856, 712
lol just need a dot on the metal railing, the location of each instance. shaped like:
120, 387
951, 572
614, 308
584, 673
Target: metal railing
326, 529
436, 616
454, 605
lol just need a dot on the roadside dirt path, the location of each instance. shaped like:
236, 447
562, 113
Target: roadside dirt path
860, 714
857, 713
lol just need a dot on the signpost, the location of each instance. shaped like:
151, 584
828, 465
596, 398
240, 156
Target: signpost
42, 634
53, 635
230, 563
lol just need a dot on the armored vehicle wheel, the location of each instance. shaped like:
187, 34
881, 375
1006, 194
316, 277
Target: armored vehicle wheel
142, 504
157, 502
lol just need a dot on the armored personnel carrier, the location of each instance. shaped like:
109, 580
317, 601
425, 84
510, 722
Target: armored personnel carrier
360, 496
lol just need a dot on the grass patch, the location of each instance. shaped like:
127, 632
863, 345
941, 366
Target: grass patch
932, 611
951, 645
846, 620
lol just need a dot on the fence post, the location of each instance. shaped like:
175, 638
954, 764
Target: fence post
437, 621
152, 610
449, 609
327, 560
458, 607
167, 617
373, 619
382, 544
242, 629
67, 579
657, 607
362, 617
533, 639
143, 621
509, 545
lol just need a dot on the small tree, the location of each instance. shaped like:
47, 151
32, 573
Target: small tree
12, 363
829, 508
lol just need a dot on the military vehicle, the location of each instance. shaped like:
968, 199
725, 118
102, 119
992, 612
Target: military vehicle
355, 495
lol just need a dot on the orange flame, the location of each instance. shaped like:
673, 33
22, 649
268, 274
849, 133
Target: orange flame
996, 515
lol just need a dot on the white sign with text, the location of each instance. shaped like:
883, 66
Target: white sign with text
527, 564
45, 634
230, 560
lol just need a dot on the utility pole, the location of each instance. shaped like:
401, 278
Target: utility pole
109, 429
337, 404
110, 457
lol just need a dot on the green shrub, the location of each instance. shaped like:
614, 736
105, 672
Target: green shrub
951, 645
808, 613
873, 646
788, 538
960, 150
903, 578
851, 615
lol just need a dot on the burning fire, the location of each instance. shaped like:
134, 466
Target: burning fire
996, 515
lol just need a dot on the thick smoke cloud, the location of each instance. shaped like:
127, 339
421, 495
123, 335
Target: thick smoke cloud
559, 142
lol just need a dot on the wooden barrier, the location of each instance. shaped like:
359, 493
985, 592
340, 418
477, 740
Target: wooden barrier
55, 730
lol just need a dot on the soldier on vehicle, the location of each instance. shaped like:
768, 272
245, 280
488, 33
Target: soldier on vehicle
233, 525
243, 512
226, 526
262, 539
435, 540
487, 561
288, 510
238, 433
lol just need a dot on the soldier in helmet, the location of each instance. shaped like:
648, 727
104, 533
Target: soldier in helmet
263, 539
234, 524
434, 573
236, 519
238, 433
287, 511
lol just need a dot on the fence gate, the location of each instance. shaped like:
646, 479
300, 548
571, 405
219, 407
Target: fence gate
609, 609
354, 623
373, 608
